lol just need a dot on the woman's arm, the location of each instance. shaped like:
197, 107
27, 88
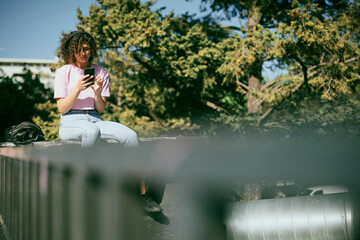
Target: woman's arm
100, 101
65, 104
100, 104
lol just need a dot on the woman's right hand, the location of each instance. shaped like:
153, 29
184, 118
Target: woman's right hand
65, 104
84, 83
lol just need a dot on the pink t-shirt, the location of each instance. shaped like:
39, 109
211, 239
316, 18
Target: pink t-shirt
66, 78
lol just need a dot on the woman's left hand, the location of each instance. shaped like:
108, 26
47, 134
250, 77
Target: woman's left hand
97, 85
100, 101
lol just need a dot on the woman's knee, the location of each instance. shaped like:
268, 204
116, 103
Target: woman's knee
118, 131
132, 139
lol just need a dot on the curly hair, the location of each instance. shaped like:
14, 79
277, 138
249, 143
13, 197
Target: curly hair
70, 45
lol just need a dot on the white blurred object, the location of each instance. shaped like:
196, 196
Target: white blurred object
325, 189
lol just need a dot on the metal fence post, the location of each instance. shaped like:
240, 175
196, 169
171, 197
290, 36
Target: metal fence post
16, 200
93, 182
34, 196
43, 200
21, 200
26, 201
2, 184
56, 199
8, 192
76, 205
66, 183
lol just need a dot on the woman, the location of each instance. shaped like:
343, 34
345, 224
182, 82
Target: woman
81, 98
80, 102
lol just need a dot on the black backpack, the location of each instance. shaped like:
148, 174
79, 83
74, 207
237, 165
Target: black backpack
24, 133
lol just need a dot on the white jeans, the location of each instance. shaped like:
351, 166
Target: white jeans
87, 126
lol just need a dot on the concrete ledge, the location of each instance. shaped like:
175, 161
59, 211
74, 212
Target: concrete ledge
9, 149
106, 140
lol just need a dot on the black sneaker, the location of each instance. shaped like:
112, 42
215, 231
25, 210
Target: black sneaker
149, 203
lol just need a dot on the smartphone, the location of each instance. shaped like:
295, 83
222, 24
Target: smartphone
91, 72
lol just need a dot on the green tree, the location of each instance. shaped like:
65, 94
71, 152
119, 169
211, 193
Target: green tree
321, 54
168, 72
47, 117
162, 67
261, 17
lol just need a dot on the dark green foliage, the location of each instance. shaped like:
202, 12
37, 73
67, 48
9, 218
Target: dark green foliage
18, 96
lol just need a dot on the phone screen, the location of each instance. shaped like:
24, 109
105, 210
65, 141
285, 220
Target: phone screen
91, 72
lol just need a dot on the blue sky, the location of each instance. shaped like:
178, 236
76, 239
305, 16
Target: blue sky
32, 29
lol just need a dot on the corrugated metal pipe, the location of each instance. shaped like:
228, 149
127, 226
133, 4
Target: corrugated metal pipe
320, 217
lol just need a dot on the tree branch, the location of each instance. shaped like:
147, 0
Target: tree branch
307, 76
156, 118
242, 85
270, 110
114, 105
217, 108
303, 67
229, 28
267, 113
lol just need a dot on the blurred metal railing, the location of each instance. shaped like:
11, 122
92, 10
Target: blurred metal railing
51, 198
69, 192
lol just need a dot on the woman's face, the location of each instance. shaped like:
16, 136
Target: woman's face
83, 54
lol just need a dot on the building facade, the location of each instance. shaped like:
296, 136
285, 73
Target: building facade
13, 67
